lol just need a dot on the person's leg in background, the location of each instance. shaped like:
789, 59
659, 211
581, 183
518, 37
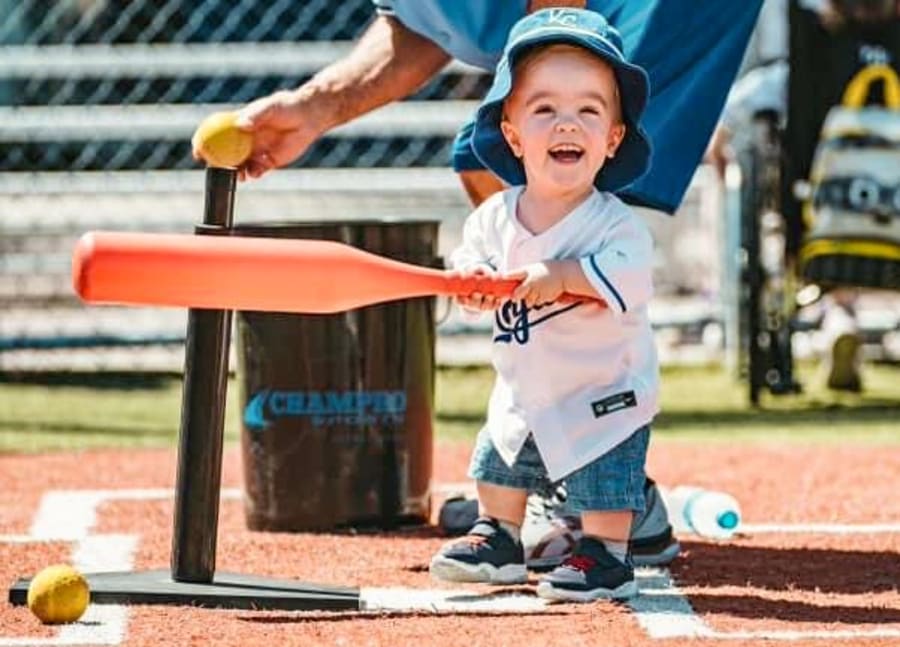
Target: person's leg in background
841, 341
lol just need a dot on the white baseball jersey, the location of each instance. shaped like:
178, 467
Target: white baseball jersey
580, 377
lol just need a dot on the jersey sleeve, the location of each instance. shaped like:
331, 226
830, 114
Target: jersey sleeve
622, 271
474, 250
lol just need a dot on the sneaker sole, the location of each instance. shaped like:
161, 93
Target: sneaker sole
623, 592
661, 558
450, 570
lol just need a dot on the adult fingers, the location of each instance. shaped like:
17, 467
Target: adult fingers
254, 113
257, 166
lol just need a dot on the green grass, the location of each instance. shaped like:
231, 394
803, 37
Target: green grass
707, 403
698, 404
108, 413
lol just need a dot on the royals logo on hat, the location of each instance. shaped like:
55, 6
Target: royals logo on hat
580, 28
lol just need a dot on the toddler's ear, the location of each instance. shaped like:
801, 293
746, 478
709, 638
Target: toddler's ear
512, 137
614, 139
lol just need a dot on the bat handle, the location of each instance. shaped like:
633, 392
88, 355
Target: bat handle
458, 286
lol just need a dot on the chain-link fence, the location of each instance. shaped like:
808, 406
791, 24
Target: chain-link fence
83, 22
98, 100
88, 59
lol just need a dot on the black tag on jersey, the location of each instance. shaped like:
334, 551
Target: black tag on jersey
614, 403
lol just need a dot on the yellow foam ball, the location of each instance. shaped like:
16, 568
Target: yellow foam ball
220, 142
58, 594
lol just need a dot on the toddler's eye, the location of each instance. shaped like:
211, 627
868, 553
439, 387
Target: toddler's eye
590, 110
543, 110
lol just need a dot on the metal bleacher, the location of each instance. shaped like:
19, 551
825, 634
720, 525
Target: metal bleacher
97, 105
95, 135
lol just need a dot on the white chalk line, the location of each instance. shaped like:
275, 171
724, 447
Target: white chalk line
69, 516
820, 528
661, 609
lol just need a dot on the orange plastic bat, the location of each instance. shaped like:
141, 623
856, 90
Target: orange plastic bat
246, 273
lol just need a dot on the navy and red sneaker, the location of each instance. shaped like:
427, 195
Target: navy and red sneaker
486, 554
590, 573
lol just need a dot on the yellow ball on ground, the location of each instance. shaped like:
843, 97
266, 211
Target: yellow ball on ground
58, 594
220, 142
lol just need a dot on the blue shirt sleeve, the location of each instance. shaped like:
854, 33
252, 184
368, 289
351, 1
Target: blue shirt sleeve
691, 50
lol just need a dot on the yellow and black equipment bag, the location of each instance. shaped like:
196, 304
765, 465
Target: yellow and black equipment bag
852, 210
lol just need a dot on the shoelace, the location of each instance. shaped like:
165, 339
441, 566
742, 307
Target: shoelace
538, 506
545, 504
581, 563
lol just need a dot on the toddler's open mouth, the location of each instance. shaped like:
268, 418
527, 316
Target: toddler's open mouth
567, 153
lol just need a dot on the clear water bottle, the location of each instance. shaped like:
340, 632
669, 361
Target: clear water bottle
704, 512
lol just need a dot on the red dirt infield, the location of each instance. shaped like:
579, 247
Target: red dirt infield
832, 585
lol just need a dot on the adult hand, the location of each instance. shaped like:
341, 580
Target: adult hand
282, 131
388, 62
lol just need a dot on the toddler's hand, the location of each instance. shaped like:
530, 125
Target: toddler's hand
477, 300
542, 283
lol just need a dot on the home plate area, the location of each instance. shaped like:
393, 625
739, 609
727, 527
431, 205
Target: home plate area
824, 573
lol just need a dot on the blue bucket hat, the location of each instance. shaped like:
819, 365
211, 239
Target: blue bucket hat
591, 31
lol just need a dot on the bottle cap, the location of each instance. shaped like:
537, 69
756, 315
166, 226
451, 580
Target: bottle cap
728, 520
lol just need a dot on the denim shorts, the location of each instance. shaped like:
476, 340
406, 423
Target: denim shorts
615, 481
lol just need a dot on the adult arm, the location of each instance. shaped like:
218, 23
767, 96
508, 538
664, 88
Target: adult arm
388, 62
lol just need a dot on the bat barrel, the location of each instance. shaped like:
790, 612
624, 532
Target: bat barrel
81, 258
252, 273
243, 273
